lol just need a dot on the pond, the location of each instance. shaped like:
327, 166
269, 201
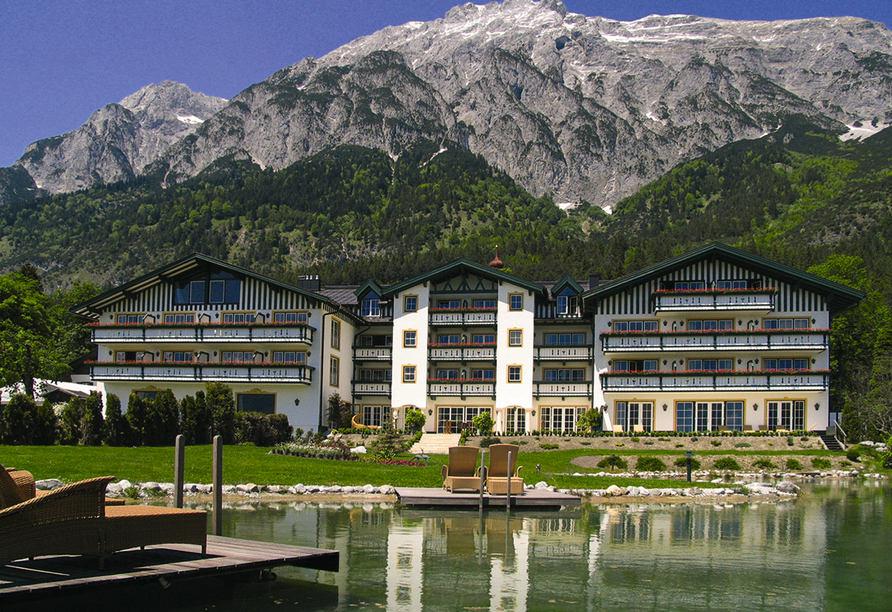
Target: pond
828, 550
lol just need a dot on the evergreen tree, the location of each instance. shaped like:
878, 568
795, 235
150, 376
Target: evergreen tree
115, 430
137, 408
46, 426
221, 405
72, 422
18, 420
93, 422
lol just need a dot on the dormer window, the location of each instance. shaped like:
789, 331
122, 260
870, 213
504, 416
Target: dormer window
370, 307
214, 288
567, 304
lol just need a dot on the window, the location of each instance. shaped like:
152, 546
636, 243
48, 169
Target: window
264, 403
565, 375
514, 373
630, 326
448, 304
636, 365
786, 363
290, 357
483, 374
689, 285
219, 288
736, 284
484, 303
448, 338
121, 356
370, 307
335, 334
237, 357
410, 303
448, 373
710, 324
299, 318
129, 319
565, 339
409, 338
567, 305
180, 318
629, 414
560, 418
409, 374
334, 372
372, 415
483, 338
178, 356
515, 337
684, 416
786, 323
789, 415
515, 301
238, 317
372, 375
711, 365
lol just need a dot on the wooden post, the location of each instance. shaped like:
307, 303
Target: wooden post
218, 485
508, 493
482, 477
179, 470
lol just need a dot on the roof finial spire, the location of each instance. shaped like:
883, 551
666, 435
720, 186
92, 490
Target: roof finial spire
496, 263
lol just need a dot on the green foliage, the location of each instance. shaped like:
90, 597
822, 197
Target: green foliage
682, 462
483, 423
116, 429
262, 429
853, 453
71, 423
137, 408
590, 420
18, 420
819, 463
764, 464
611, 463
221, 406
93, 422
162, 420
46, 425
547, 446
340, 412
649, 463
488, 441
415, 418
794, 464
727, 464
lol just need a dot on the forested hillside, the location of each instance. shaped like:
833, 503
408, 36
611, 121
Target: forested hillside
799, 196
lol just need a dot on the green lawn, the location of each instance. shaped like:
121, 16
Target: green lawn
244, 464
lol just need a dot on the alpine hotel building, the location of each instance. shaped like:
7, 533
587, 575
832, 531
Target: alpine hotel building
715, 339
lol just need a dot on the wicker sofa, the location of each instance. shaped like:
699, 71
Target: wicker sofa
74, 520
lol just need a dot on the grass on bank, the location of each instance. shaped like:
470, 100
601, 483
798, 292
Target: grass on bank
249, 464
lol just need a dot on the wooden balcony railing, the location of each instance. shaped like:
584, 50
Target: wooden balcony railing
204, 372
461, 388
563, 353
369, 387
461, 353
563, 389
372, 353
203, 333
761, 340
719, 381
698, 301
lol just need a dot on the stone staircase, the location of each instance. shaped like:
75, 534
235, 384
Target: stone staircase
434, 444
831, 443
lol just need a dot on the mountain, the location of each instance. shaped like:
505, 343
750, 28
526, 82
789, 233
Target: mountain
118, 140
584, 109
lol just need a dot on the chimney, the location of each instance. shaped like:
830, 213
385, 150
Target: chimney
309, 282
593, 281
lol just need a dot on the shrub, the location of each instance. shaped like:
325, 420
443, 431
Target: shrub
794, 464
415, 418
46, 424
483, 423
262, 429
196, 420
93, 422
727, 464
115, 431
590, 420
764, 464
489, 441
853, 453
18, 420
650, 464
618, 463
548, 446
715, 442
682, 462
635, 439
340, 412
162, 420
221, 405
790, 441
679, 446
819, 463
71, 421
742, 445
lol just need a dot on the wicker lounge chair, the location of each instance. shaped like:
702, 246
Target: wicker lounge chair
74, 520
497, 476
462, 472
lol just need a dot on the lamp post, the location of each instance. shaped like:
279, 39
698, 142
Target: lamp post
613, 462
689, 456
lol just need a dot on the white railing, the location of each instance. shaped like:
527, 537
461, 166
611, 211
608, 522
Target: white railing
563, 389
462, 353
377, 353
371, 388
707, 301
705, 341
563, 353
204, 372
204, 333
461, 389
714, 382
463, 318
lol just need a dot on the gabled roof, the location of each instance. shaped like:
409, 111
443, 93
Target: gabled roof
839, 297
177, 270
458, 268
567, 281
369, 284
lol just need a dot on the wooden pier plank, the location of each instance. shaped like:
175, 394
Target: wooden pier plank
48, 577
534, 498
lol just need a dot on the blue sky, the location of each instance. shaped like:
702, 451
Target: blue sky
60, 60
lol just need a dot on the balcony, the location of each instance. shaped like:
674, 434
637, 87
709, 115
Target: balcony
715, 300
457, 352
367, 387
372, 353
737, 340
462, 317
562, 353
563, 389
461, 388
741, 382
202, 333
203, 372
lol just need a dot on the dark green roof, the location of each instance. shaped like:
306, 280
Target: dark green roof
567, 281
179, 269
459, 267
839, 297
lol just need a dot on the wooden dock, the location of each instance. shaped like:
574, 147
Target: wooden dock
52, 577
534, 498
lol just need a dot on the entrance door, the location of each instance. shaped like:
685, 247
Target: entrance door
515, 420
789, 415
452, 419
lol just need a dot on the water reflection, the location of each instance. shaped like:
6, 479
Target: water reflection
795, 555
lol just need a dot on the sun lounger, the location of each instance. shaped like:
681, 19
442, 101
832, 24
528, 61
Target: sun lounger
497, 475
462, 472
